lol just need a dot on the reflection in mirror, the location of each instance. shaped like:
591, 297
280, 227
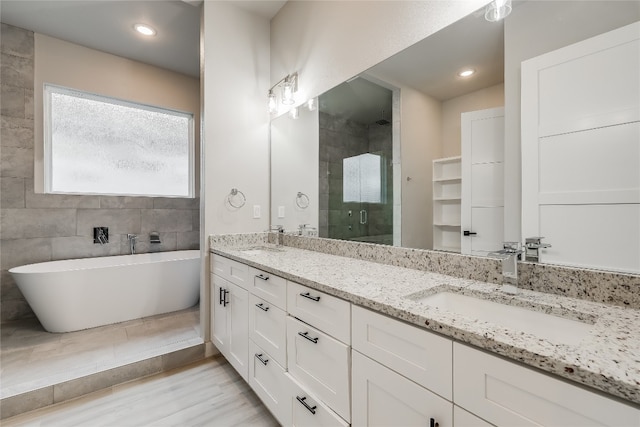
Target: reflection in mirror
433, 100
356, 163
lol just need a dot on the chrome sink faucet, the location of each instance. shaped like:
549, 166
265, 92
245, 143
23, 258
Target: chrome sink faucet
132, 243
279, 229
532, 247
510, 254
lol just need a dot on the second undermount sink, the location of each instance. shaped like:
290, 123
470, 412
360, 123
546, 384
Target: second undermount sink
559, 330
259, 249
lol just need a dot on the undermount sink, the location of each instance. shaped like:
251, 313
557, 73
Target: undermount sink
259, 249
553, 328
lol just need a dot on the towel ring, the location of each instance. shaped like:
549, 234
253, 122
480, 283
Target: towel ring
235, 192
302, 200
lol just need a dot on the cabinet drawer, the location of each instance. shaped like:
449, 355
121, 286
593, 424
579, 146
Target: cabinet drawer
267, 379
268, 328
325, 312
506, 394
424, 357
309, 411
382, 397
233, 271
269, 287
320, 363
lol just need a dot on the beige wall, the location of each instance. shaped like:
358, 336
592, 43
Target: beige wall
490, 97
67, 64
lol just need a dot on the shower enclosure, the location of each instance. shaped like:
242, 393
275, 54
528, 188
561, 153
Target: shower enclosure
356, 163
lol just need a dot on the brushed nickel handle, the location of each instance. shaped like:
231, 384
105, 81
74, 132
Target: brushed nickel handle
262, 277
262, 307
259, 357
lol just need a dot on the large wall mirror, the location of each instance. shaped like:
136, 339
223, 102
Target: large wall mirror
386, 155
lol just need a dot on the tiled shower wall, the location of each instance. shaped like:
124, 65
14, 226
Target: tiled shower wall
44, 227
341, 138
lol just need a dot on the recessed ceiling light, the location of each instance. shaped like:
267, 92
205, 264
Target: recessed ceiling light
466, 73
144, 29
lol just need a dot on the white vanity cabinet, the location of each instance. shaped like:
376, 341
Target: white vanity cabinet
267, 379
230, 328
507, 394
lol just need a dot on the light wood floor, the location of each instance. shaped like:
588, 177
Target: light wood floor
207, 393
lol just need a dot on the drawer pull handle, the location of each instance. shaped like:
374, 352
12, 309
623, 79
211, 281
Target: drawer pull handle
225, 301
433, 423
262, 307
306, 405
262, 277
308, 295
259, 357
220, 293
305, 335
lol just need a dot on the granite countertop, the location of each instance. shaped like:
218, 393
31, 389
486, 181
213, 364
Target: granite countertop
608, 359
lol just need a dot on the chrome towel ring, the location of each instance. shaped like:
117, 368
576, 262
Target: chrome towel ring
236, 198
302, 200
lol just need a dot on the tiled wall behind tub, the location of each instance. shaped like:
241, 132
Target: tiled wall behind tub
44, 227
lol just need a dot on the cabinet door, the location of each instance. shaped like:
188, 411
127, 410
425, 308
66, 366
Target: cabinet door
238, 326
382, 397
267, 379
507, 394
219, 324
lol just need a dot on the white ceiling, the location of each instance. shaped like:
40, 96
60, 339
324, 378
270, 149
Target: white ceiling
107, 25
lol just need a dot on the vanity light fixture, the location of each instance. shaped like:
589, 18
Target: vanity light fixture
312, 104
497, 10
144, 29
289, 86
467, 73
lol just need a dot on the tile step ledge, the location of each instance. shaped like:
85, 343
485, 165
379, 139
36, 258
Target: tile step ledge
71, 389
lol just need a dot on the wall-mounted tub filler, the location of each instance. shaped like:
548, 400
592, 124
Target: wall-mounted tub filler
101, 235
132, 243
154, 237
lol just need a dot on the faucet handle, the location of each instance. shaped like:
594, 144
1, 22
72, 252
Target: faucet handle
535, 243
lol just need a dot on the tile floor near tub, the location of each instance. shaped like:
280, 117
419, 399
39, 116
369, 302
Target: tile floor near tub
31, 358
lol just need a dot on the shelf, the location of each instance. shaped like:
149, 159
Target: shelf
437, 224
449, 179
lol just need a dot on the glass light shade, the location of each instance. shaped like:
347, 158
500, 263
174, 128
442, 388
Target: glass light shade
287, 93
497, 10
273, 103
294, 113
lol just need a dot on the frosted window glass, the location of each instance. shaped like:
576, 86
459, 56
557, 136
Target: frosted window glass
362, 178
99, 145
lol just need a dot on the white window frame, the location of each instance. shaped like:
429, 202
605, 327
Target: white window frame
49, 89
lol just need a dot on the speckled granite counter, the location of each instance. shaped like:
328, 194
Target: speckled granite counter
608, 359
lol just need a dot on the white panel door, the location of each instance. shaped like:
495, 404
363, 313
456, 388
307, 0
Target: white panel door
482, 181
238, 325
581, 151
219, 324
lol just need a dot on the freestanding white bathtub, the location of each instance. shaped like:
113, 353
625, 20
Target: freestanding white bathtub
75, 294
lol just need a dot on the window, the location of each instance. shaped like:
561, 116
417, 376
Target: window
100, 145
364, 179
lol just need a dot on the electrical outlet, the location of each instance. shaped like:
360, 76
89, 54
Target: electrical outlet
280, 211
256, 211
